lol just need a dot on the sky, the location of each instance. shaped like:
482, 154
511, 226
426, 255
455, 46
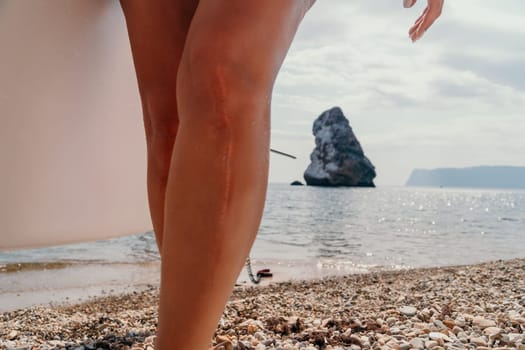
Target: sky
456, 98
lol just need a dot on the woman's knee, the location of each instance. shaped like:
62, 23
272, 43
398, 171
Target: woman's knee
161, 120
215, 84
161, 123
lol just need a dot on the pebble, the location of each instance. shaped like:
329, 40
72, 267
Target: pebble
449, 323
478, 341
12, 335
456, 330
417, 343
483, 322
430, 344
515, 338
460, 322
404, 346
439, 324
408, 311
438, 335
491, 331
391, 321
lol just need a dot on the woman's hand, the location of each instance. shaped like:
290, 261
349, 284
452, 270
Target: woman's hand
430, 14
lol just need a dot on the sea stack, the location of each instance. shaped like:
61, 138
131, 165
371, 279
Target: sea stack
338, 159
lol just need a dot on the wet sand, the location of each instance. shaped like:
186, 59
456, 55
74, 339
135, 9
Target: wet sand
30, 284
465, 307
44, 284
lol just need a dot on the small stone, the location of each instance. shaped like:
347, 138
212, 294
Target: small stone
417, 343
12, 335
491, 331
404, 345
462, 337
439, 324
460, 321
259, 336
438, 335
449, 323
479, 341
482, 322
456, 330
518, 320
242, 346
478, 308
260, 346
150, 341
430, 344
408, 311
391, 321
515, 338
252, 328
225, 342
392, 344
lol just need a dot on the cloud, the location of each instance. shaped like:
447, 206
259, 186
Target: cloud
455, 97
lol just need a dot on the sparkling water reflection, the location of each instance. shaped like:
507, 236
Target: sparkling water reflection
351, 229
392, 227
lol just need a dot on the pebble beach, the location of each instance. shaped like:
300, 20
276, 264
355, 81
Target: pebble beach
448, 308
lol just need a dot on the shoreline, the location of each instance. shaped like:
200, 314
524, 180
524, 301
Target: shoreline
473, 307
24, 285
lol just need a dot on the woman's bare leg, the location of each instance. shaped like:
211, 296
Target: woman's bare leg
157, 31
218, 176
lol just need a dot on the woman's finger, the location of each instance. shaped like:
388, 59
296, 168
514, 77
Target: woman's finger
409, 3
431, 13
417, 24
420, 18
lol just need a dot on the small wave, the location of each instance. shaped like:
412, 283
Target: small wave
278, 241
62, 264
31, 266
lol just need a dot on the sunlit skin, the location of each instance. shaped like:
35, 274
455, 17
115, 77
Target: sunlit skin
205, 71
427, 18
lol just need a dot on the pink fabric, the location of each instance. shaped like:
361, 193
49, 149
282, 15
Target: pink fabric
72, 145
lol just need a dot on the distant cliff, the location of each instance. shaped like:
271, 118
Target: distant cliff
476, 177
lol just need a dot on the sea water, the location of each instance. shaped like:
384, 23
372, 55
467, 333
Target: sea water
348, 230
306, 232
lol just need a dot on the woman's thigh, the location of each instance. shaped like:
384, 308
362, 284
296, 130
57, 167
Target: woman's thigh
251, 37
157, 32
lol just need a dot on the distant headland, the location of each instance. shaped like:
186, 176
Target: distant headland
472, 177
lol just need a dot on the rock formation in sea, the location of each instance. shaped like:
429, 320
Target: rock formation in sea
297, 183
338, 159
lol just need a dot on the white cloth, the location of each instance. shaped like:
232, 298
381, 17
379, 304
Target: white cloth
72, 144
